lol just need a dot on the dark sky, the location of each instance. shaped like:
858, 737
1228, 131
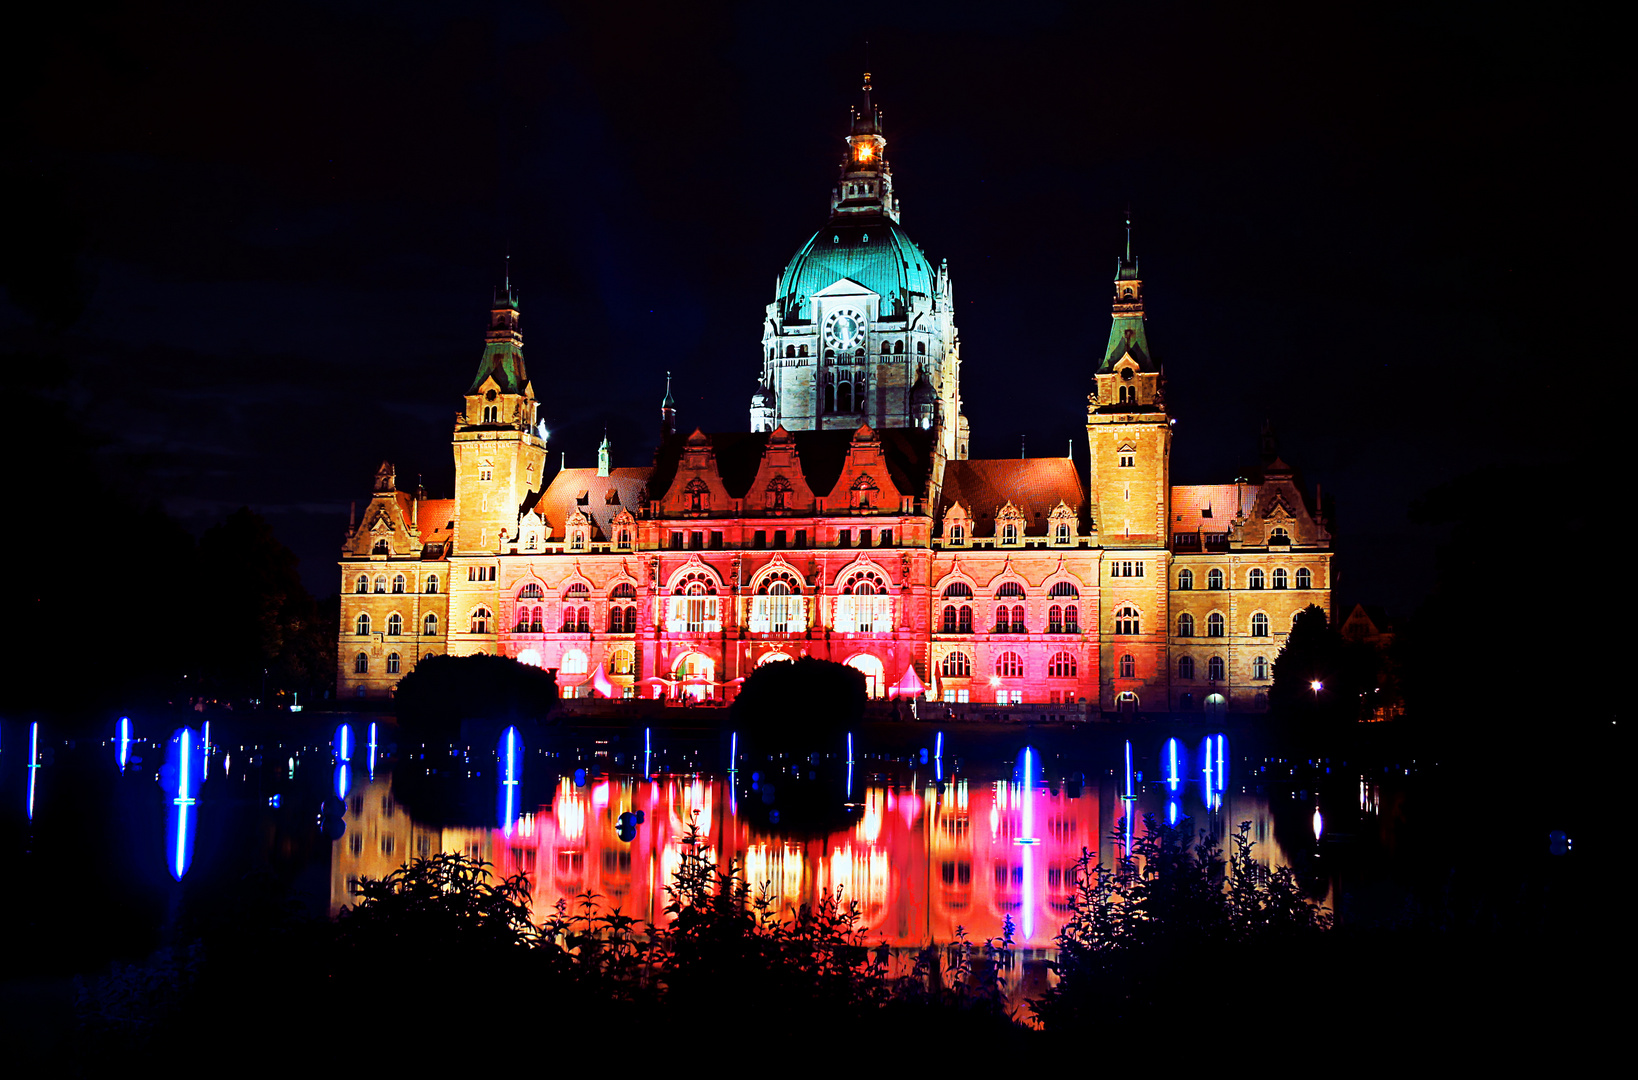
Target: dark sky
266, 235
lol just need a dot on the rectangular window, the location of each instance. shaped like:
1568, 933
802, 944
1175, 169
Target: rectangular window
716, 541
760, 539
864, 537
801, 538
696, 540
887, 538
844, 537
676, 541
779, 538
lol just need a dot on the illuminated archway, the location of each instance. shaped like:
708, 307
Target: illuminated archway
694, 672
775, 657
1216, 704
530, 657
875, 676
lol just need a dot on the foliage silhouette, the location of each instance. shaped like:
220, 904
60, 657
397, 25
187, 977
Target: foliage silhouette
432, 700
807, 702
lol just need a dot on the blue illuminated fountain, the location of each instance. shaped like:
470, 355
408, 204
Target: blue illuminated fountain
373, 744
342, 745
33, 764
1213, 770
509, 751
183, 773
1029, 769
122, 742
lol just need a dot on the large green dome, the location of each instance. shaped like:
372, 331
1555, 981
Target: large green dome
873, 252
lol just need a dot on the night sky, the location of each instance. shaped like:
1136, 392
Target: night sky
265, 236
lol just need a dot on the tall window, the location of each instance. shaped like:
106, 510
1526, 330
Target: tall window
622, 540
1009, 665
381, 584
432, 583
956, 665
1259, 667
429, 625
398, 583
362, 626
1214, 579
363, 584
361, 664
1128, 666
1009, 533
1215, 669
1061, 666
1305, 580
1060, 534
1254, 580
1259, 625
1072, 619
395, 624
1185, 668
958, 535
1282, 580
575, 662
777, 607
1055, 619
865, 605
392, 663
1126, 620
948, 626
1185, 579
1185, 625
482, 619
622, 662
694, 604
1214, 624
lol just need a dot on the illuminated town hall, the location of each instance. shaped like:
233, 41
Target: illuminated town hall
848, 522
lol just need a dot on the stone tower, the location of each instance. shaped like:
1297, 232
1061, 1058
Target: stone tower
1129, 433
499, 454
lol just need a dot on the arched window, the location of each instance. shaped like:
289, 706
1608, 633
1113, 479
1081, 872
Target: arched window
622, 662
429, 625
432, 583
1254, 580
958, 535
624, 591
1127, 394
1214, 669
1055, 619
1305, 580
1072, 619
363, 584
1259, 667
1003, 619
887, 348
1009, 533
865, 605
380, 548
574, 662
395, 624
392, 663
1128, 666
1259, 625
1185, 625
790, 352
844, 397
1060, 535
1214, 579
1010, 589
948, 626
1009, 665
958, 589
956, 665
1279, 536
398, 583
482, 619
1214, 624
1185, 668
698, 494
1126, 620
921, 348
361, 664
531, 591
577, 591
622, 540
1185, 580
1064, 589
381, 583
1018, 618
1282, 580
964, 620
801, 350
1061, 666
362, 626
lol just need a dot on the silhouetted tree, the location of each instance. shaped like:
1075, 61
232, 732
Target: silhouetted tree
432, 700
807, 701
1314, 651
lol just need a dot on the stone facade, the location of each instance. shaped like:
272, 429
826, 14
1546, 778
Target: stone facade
862, 535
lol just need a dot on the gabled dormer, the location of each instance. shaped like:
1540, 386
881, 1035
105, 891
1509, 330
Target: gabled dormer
697, 489
865, 486
780, 486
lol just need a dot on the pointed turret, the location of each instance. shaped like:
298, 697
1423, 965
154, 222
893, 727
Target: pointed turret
866, 184
668, 411
603, 456
1127, 334
503, 346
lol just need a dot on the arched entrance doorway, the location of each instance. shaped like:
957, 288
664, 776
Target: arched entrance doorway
1216, 704
875, 676
695, 672
1126, 703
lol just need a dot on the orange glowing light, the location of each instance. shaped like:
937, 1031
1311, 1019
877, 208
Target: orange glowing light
866, 151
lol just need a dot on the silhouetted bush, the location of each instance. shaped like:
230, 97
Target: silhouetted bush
432, 700
809, 702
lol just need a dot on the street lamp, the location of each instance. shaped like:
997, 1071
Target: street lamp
1316, 686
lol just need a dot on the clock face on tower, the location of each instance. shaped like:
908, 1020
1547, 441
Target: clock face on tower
844, 329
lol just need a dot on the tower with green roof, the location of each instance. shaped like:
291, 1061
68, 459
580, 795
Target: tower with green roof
860, 313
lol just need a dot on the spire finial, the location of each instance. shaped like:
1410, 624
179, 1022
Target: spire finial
1128, 232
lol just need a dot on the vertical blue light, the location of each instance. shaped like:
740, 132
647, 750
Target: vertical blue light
123, 740
938, 756
1173, 779
33, 763
648, 749
733, 752
850, 748
1209, 780
373, 745
1222, 764
343, 743
510, 752
1172, 812
1128, 795
181, 776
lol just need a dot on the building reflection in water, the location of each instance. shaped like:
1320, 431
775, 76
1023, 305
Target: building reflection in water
919, 862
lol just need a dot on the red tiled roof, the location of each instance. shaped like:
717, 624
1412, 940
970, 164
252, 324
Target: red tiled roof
1209, 507
601, 497
1034, 485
